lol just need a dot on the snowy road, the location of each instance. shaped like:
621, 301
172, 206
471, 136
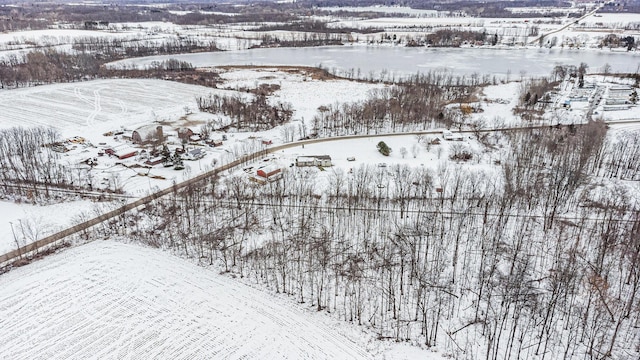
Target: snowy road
112, 300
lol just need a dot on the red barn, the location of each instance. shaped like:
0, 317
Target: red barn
122, 151
269, 171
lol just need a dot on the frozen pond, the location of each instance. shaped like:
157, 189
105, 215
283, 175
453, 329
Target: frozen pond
400, 61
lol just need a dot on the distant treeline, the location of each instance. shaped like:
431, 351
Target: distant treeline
51, 66
473, 8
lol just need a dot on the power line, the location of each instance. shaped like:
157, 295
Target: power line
406, 211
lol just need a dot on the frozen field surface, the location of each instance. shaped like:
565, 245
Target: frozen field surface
113, 300
97, 106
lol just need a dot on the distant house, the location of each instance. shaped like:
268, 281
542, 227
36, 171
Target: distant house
194, 154
451, 136
616, 107
313, 160
266, 174
96, 25
147, 134
616, 101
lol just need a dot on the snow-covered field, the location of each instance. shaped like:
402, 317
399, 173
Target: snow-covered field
94, 107
112, 300
304, 93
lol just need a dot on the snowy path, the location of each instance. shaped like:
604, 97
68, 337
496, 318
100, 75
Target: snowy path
113, 300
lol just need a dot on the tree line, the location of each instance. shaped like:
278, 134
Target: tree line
52, 66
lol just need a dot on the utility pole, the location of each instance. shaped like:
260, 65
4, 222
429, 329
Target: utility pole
15, 239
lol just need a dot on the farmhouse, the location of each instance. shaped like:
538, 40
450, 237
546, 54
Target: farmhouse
313, 160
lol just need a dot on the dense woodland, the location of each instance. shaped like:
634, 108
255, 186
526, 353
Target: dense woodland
532, 259
246, 115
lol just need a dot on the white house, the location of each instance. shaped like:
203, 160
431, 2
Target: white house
194, 154
451, 136
314, 160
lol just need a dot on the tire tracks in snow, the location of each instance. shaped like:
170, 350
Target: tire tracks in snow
95, 104
137, 302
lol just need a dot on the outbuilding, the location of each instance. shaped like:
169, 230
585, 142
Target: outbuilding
122, 151
269, 171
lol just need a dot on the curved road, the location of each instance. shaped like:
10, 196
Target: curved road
12, 256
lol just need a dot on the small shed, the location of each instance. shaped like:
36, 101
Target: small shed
185, 134
125, 153
154, 161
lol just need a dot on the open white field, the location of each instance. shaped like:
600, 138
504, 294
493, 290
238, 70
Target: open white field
112, 300
94, 107
301, 91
